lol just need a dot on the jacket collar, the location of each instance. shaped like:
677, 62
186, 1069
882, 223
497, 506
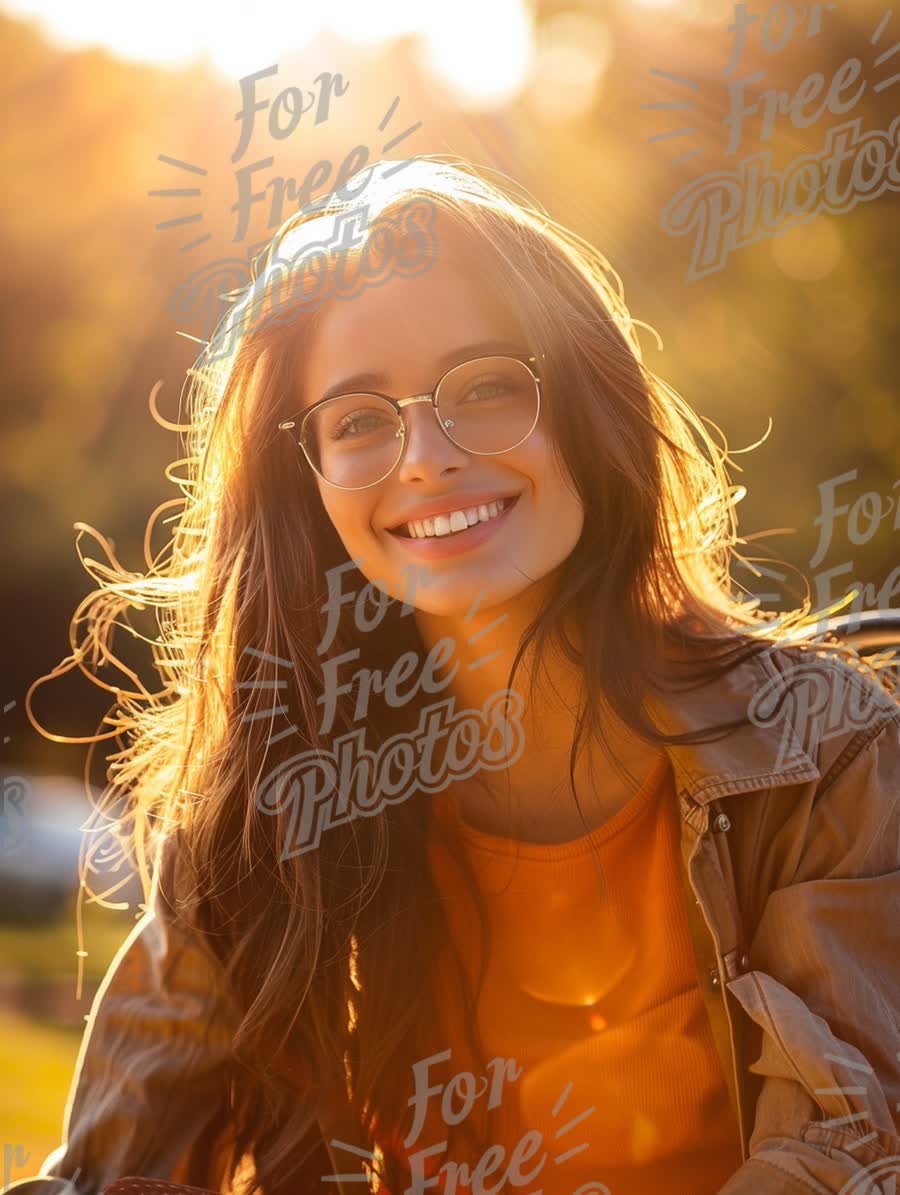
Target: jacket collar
745, 759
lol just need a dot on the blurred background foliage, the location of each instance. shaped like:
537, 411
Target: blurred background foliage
802, 328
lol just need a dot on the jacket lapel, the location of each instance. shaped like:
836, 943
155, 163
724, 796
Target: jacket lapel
758, 755
744, 760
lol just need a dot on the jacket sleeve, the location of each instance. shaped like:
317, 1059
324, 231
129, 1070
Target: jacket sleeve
149, 1091
824, 988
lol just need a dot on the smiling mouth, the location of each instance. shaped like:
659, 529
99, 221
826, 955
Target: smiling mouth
454, 522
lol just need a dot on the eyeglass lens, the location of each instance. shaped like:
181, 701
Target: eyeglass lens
485, 406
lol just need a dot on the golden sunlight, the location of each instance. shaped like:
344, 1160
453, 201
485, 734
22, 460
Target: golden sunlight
481, 53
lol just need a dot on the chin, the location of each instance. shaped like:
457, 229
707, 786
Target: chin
454, 598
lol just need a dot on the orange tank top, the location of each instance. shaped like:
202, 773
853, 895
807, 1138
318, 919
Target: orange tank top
600, 1056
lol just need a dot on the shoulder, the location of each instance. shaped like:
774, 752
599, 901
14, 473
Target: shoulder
846, 821
827, 706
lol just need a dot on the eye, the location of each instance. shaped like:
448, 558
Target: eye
359, 423
485, 388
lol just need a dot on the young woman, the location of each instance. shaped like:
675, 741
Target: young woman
496, 843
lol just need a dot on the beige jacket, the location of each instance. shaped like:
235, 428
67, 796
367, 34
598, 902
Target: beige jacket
791, 863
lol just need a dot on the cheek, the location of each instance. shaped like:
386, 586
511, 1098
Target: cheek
559, 514
557, 499
565, 515
350, 514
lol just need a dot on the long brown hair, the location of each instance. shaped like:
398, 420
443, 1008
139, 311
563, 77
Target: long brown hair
328, 952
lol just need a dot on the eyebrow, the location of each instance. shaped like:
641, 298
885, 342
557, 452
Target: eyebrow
365, 381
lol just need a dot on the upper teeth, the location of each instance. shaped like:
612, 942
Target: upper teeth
456, 520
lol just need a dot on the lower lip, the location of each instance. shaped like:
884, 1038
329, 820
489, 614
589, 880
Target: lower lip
438, 546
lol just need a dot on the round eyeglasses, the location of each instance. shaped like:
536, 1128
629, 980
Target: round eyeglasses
484, 406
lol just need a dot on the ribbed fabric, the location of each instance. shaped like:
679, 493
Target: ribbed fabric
591, 986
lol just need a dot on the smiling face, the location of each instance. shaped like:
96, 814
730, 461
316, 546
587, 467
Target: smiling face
521, 516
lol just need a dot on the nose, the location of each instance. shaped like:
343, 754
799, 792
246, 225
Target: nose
429, 454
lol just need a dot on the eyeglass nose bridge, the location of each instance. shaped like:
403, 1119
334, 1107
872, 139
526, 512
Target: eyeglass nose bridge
406, 402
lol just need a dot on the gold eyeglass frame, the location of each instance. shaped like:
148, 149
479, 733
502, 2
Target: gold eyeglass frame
400, 403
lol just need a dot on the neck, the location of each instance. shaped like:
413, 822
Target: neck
536, 786
485, 645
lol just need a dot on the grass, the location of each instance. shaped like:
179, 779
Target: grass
49, 951
38, 1057
38, 1063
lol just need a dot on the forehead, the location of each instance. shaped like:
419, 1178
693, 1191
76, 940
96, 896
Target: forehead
403, 328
